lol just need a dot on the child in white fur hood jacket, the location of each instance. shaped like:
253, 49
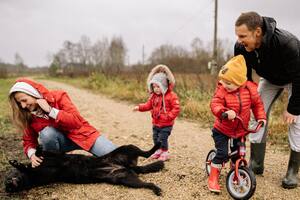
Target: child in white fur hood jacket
164, 106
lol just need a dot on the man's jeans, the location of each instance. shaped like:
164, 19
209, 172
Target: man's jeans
269, 94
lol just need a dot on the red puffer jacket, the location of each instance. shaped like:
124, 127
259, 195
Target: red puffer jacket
68, 120
241, 101
160, 118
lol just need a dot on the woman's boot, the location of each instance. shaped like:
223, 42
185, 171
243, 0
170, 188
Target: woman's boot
291, 179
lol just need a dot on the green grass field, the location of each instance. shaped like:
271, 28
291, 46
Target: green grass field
7, 132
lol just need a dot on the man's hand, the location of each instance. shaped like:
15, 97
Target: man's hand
289, 118
44, 105
36, 161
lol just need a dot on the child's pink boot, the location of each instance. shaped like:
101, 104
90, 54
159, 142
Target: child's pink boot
157, 154
164, 156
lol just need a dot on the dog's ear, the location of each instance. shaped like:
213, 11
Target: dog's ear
14, 163
39, 151
17, 165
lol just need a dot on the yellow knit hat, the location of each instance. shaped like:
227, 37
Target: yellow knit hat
234, 71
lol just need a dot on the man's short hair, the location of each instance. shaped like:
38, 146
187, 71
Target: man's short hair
251, 19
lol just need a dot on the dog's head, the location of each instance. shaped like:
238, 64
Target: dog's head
15, 181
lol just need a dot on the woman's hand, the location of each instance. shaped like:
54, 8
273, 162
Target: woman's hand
36, 161
44, 105
231, 114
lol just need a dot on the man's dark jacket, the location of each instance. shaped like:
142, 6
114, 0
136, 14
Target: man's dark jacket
277, 60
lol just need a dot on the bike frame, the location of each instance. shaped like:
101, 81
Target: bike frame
242, 146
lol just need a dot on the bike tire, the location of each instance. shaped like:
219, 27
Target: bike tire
211, 154
248, 183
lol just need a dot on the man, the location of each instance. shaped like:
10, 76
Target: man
274, 54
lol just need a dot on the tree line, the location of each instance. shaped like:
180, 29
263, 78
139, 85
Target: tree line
110, 56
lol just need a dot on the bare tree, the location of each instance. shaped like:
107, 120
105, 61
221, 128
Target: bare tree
18, 59
200, 54
100, 55
19, 62
117, 54
84, 50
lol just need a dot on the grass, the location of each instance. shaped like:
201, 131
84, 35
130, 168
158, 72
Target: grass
10, 141
5, 124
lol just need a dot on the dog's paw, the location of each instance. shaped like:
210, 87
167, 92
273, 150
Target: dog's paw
160, 164
157, 191
39, 151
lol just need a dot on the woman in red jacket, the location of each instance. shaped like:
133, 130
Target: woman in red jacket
51, 119
235, 96
164, 106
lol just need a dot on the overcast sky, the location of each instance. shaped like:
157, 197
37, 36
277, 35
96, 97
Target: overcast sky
37, 28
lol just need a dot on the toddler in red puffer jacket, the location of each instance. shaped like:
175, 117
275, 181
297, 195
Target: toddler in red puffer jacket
164, 106
235, 96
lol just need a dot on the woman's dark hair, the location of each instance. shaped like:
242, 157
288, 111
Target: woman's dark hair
251, 19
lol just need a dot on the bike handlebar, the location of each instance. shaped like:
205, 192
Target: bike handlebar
260, 124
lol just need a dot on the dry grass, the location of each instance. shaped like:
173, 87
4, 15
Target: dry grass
194, 91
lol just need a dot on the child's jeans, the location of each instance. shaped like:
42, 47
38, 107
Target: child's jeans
221, 144
161, 134
53, 140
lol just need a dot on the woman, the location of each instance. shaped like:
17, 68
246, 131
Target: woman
52, 120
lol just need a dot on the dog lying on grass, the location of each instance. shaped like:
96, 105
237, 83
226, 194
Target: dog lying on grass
118, 167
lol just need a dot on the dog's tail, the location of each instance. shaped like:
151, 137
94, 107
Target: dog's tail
150, 168
147, 154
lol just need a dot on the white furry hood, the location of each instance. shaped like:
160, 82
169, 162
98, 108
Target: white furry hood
165, 69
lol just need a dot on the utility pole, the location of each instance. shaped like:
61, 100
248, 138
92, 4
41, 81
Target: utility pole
143, 55
214, 63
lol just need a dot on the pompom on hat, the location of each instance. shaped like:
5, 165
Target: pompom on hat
234, 71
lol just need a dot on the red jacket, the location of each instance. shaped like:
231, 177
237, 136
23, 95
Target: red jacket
68, 120
241, 101
160, 118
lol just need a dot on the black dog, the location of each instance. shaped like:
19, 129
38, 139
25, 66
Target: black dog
118, 167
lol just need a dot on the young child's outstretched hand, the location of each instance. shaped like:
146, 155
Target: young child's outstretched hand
136, 108
262, 120
231, 114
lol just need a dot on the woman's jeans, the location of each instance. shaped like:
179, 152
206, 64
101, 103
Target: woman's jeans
52, 139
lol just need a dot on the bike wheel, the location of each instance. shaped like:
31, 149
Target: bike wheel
210, 156
243, 189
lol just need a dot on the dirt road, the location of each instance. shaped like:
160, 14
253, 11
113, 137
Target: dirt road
184, 176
